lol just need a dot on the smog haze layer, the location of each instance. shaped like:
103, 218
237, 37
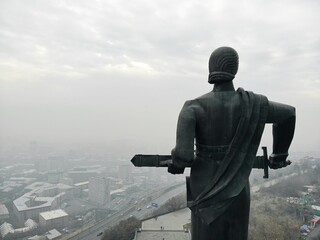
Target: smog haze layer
115, 74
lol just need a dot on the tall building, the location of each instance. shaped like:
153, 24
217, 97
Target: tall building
124, 172
80, 189
84, 173
54, 176
99, 191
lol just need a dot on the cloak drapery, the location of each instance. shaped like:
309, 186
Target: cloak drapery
233, 173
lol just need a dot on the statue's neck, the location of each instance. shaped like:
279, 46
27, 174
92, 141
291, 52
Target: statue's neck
223, 87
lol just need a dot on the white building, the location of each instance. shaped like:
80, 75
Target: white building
53, 219
43, 197
99, 191
79, 188
7, 230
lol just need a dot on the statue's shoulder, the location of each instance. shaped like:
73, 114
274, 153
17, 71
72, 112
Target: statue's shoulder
197, 104
253, 95
192, 105
205, 96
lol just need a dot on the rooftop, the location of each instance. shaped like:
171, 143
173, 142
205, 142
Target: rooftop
81, 184
168, 226
15, 183
170, 221
162, 234
53, 234
315, 207
7, 228
32, 199
120, 190
23, 203
53, 214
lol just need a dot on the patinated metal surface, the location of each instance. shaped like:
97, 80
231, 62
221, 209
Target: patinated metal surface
218, 135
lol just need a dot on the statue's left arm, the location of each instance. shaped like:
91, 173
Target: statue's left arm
283, 118
183, 153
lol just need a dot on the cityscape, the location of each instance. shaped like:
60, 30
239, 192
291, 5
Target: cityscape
80, 196
54, 196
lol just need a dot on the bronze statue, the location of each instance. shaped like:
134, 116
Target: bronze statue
225, 126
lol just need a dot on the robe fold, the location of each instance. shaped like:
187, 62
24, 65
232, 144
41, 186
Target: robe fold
232, 176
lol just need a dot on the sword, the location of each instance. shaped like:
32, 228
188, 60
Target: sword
144, 160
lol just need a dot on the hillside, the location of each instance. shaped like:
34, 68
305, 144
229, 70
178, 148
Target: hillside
278, 211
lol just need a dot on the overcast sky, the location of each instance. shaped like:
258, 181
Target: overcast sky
104, 71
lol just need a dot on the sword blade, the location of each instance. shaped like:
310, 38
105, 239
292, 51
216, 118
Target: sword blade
156, 160
144, 160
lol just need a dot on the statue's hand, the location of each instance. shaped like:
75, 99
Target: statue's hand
278, 160
175, 170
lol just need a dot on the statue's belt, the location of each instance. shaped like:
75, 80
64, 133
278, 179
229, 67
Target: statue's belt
215, 153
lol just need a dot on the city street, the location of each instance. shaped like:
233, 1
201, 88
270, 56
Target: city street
159, 196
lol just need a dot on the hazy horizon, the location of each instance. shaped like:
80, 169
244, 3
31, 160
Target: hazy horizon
118, 72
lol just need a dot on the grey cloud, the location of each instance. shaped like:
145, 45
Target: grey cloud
94, 63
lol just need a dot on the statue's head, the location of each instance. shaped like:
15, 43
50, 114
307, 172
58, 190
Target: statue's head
223, 65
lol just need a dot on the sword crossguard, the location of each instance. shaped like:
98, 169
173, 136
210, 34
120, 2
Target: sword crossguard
265, 162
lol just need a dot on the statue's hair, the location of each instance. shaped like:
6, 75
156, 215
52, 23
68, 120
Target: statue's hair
223, 65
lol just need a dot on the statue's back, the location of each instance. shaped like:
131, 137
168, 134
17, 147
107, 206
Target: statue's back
217, 116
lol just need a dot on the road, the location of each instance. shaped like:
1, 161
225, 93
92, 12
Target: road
145, 211
160, 196
270, 183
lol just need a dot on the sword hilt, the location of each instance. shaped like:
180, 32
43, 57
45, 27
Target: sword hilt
265, 162
262, 162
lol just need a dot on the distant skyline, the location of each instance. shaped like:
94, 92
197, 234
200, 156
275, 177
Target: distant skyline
108, 72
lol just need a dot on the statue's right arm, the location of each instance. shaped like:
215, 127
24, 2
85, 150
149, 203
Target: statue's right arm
283, 118
183, 153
